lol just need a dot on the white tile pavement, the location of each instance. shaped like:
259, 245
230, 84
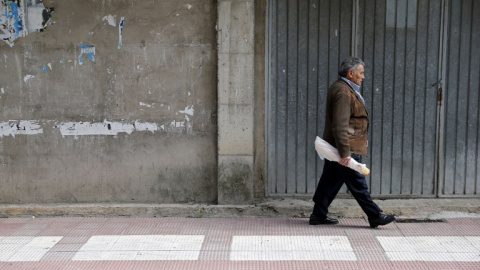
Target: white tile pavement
265, 248
244, 248
140, 247
25, 248
432, 248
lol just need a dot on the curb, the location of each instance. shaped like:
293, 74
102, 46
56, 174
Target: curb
285, 207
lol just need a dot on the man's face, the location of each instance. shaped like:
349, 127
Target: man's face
356, 76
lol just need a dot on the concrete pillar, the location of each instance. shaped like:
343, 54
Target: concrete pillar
235, 38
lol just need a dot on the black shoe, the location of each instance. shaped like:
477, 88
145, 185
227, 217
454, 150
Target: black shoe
314, 220
381, 220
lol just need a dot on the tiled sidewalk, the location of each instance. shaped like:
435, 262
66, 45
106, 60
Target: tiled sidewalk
235, 243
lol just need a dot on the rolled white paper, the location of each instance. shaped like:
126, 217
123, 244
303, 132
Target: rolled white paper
326, 150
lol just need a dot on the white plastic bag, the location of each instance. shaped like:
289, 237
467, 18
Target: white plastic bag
326, 150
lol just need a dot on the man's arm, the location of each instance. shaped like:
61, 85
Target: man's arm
341, 112
344, 161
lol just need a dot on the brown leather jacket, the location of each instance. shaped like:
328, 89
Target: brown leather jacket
346, 120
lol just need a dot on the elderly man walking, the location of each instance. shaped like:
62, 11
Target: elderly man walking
346, 126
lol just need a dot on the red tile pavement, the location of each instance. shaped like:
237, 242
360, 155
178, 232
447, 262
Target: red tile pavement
240, 265
218, 233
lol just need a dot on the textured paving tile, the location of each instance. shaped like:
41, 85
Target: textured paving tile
26, 248
265, 248
431, 248
135, 243
140, 247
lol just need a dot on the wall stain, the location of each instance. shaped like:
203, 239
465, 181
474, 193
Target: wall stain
234, 184
186, 185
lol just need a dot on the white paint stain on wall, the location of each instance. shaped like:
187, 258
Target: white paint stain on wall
145, 126
143, 104
188, 110
111, 19
187, 124
28, 77
22, 127
106, 128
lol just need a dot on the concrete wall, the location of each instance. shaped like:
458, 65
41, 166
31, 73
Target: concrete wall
259, 177
87, 118
235, 101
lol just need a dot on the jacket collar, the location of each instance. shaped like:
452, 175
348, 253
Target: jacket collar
355, 87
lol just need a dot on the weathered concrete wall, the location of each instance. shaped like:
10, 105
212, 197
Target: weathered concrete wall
235, 101
259, 174
129, 121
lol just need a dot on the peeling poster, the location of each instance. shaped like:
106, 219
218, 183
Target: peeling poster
120, 32
18, 18
86, 50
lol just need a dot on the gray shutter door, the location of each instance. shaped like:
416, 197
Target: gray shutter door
400, 42
460, 169
419, 146
307, 41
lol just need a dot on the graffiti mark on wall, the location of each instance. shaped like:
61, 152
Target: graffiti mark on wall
18, 18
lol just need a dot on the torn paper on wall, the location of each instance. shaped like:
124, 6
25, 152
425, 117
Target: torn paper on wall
111, 19
87, 50
22, 127
104, 128
120, 32
18, 18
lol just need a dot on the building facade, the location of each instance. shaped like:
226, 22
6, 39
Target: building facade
212, 102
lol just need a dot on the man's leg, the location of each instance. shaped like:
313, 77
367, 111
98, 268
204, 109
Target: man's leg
328, 187
357, 185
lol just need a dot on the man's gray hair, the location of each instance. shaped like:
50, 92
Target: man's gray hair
348, 64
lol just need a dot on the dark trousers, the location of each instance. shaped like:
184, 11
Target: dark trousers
332, 179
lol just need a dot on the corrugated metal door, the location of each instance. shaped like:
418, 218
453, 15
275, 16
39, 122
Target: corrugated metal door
400, 42
460, 150
307, 40
403, 43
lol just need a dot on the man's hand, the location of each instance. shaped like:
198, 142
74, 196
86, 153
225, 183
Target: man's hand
344, 161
